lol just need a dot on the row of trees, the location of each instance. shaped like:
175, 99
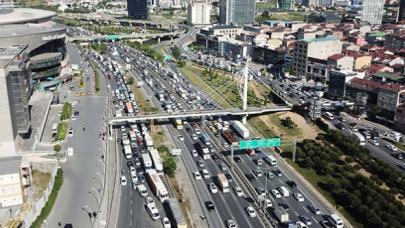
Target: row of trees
147, 50
333, 158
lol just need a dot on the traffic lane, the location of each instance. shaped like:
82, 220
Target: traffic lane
384, 155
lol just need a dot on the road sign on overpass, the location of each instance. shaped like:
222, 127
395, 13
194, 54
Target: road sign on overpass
259, 143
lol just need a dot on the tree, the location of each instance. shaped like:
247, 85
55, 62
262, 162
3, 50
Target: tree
169, 165
131, 81
57, 148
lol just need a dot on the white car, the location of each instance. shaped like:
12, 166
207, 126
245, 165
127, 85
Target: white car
251, 211
238, 191
166, 222
142, 190
181, 138
268, 203
230, 223
194, 136
197, 175
194, 153
73, 117
70, 133
149, 200
392, 147
276, 193
213, 188
122, 128
205, 174
374, 142
226, 145
299, 197
124, 181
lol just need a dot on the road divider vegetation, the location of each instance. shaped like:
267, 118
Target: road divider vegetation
66, 111
61, 131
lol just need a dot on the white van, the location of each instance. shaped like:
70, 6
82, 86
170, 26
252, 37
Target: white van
284, 191
142, 190
153, 211
336, 220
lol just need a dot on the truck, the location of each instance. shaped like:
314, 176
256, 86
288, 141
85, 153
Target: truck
147, 161
359, 138
229, 136
202, 150
132, 136
175, 214
206, 139
157, 161
223, 182
148, 140
281, 215
175, 151
241, 129
127, 151
128, 107
157, 186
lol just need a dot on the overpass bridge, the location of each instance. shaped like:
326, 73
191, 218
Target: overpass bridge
223, 112
125, 36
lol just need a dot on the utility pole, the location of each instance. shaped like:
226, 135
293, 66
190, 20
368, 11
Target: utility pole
245, 89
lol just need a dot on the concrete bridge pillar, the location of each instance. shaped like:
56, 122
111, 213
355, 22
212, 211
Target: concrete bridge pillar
244, 119
158, 39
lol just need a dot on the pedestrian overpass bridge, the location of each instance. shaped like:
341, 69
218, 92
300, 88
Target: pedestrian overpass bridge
125, 36
222, 112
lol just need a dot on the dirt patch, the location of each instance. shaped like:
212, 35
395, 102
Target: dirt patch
40, 181
304, 130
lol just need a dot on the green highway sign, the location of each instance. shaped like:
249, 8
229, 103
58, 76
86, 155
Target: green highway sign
113, 37
259, 143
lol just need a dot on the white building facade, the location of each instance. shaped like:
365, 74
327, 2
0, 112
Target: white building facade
199, 12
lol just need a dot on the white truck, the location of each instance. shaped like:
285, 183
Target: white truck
223, 182
241, 129
147, 161
127, 151
359, 138
157, 161
175, 151
281, 215
148, 140
157, 186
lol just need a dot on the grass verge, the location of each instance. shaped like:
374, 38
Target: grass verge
61, 132
96, 80
143, 105
277, 121
46, 210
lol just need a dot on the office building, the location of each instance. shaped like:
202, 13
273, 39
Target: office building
15, 79
317, 50
338, 80
198, 12
138, 9
309, 3
285, 4
237, 12
11, 186
372, 11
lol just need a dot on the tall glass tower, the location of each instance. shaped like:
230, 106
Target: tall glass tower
237, 12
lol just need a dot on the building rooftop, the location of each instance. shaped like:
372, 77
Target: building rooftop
321, 39
9, 165
388, 75
9, 53
374, 85
28, 29
336, 57
25, 15
226, 27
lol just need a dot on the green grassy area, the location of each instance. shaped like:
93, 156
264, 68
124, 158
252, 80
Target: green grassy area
96, 80
314, 179
46, 210
143, 105
266, 5
62, 130
66, 111
147, 50
262, 127
99, 47
278, 122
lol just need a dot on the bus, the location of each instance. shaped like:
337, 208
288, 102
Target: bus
271, 160
179, 124
157, 161
336, 220
359, 138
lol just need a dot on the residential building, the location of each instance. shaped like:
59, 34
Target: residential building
237, 12
317, 70
338, 80
315, 108
399, 119
198, 12
372, 11
389, 77
10, 182
342, 62
395, 41
401, 15
317, 48
138, 9
226, 30
15, 91
361, 61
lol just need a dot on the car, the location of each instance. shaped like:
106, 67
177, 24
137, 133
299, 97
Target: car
277, 172
123, 181
123, 128
205, 173
73, 117
181, 138
326, 224
268, 203
391, 147
399, 155
250, 176
137, 162
259, 161
222, 166
374, 142
291, 183
149, 200
276, 193
226, 145
301, 224
70, 133
194, 137
258, 172
305, 219
299, 197
229, 177
237, 159
141, 178
166, 222
230, 223
285, 206
238, 191
210, 205
194, 153
197, 175
314, 209
215, 157
76, 113
213, 188
260, 190
269, 175
200, 163
251, 211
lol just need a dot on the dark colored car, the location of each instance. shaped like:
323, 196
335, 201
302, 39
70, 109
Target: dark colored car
291, 183
229, 177
210, 205
237, 159
76, 113
215, 157
285, 206
130, 163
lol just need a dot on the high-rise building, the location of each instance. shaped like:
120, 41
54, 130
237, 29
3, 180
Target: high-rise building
237, 12
401, 15
198, 12
309, 3
15, 77
138, 9
285, 4
372, 11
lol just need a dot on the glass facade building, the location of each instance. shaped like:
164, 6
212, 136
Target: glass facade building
137, 9
237, 12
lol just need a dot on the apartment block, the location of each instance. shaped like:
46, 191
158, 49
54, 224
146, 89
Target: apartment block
198, 12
